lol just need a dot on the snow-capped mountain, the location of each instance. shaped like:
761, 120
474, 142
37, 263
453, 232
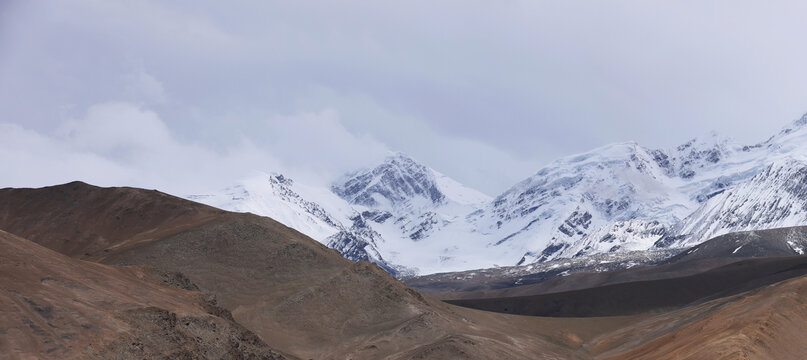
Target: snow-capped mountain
574, 197
313, 211
774, 198
414, 209
757, 188
373, 214
279, 197
621, 197
628, 197
416, 199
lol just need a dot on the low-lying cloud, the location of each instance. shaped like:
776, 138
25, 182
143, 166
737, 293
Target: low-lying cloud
117, 144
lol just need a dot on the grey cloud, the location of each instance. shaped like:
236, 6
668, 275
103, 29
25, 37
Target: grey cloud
485, 92
121, 144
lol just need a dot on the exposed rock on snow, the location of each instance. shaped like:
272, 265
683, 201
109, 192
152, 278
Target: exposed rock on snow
618, 198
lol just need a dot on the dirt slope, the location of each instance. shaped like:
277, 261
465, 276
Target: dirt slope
80, 220
767, 323
296, 294
57, 307
305, 300
299, 295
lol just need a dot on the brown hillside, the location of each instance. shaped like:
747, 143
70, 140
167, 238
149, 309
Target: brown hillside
81, 220
304, 299
764, 324
296, 294
56, 307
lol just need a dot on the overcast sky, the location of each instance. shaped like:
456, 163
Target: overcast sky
186, 96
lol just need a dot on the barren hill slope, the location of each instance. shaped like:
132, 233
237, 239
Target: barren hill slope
293, 292
303, 299
763, 324
81, 220
637, 297
56, 307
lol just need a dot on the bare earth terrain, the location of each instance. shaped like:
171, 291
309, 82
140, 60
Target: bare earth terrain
57, 307
125, 273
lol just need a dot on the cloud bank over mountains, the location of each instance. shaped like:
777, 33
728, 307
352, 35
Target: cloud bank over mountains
485, 92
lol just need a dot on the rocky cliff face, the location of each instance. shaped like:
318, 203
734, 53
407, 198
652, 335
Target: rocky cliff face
399, 182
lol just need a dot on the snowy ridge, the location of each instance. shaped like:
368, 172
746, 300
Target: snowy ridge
274, 195
398, 183
579, 204
619, 198
420, 212
545, 215
415, 199
400, 200
327, 219
774, 198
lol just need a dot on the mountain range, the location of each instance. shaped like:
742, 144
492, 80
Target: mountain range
623, 197
126, 273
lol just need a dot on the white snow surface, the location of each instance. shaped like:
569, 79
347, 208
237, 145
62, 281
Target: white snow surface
618, 198
776, 197
283, 200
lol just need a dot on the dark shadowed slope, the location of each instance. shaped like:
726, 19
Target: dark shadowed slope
296, 294
747, 244
587, 280
654, 295
714, 253
57, 307
513, 276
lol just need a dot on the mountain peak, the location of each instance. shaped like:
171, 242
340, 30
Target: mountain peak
394, 182
403, 162
399, 156
401, 181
